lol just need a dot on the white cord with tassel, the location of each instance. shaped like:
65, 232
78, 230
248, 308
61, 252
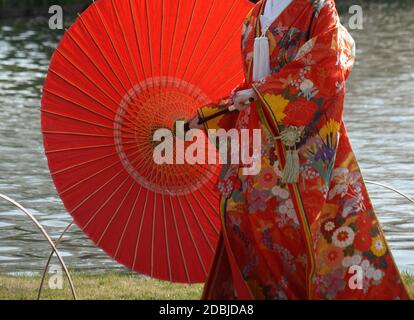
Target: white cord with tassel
290, 137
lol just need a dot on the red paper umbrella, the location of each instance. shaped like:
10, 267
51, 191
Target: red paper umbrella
123, 70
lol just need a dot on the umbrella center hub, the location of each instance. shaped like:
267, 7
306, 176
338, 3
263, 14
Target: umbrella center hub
149, 106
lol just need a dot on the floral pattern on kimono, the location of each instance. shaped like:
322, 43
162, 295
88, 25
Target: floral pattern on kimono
304, 240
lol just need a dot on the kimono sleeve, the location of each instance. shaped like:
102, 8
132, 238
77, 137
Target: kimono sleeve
308, 92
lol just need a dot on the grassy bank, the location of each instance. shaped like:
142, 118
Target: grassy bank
102, 286
110, 286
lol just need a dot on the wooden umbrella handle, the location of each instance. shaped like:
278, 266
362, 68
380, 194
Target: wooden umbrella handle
229, 108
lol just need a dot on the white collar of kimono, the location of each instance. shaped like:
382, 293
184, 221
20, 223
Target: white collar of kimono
272, 10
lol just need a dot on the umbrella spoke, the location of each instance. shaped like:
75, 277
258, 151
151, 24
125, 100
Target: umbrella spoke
108, 199
85, 108
137, 38
166, 238
96, 191
97, 146
106, 58
191, 236
208, 67
94, 63
92, 176
88, 95
126, 44
112, 44
144, 211
131, 212
78, 68
84, 134
177, 233
85, 163
115, 214
77, 119
214, 39
186, 37
200, 34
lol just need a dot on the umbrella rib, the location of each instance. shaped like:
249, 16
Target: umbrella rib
166, 238
126, 42
136, 38
198, 39
213, 39
179, 239
87, 162
99, 69
211, 64
152, 236
82, 134
105, 202
90, 96
86, 147
127, 223
214, 174
140, 229
162, 35
106, 59
125, 130
174, 35
209, 202
93, 82
149, 41
113, 44
230, 79
115, 214
79, 120
205, 214
93, 112
207, 168
195, 216
191, 236
201, 207
145, 149
186, 37
73, 102
199, 171
94, 174
157, 173
99, 189
199, 224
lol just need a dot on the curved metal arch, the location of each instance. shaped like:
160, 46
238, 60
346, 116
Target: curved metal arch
57, 242
392, 189
47, 237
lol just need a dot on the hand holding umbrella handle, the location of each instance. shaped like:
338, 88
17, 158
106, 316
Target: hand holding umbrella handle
228, 108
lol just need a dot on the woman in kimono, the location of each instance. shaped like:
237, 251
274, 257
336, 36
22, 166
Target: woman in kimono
304, 227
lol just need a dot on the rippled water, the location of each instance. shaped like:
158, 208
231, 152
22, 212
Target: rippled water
379, 114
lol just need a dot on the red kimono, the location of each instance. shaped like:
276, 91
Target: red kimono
319, 237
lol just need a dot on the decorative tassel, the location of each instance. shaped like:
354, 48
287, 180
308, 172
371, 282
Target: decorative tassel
290, 136
261, 58
291, 171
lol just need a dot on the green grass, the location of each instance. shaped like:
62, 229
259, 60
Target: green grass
409, 282
110, 285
